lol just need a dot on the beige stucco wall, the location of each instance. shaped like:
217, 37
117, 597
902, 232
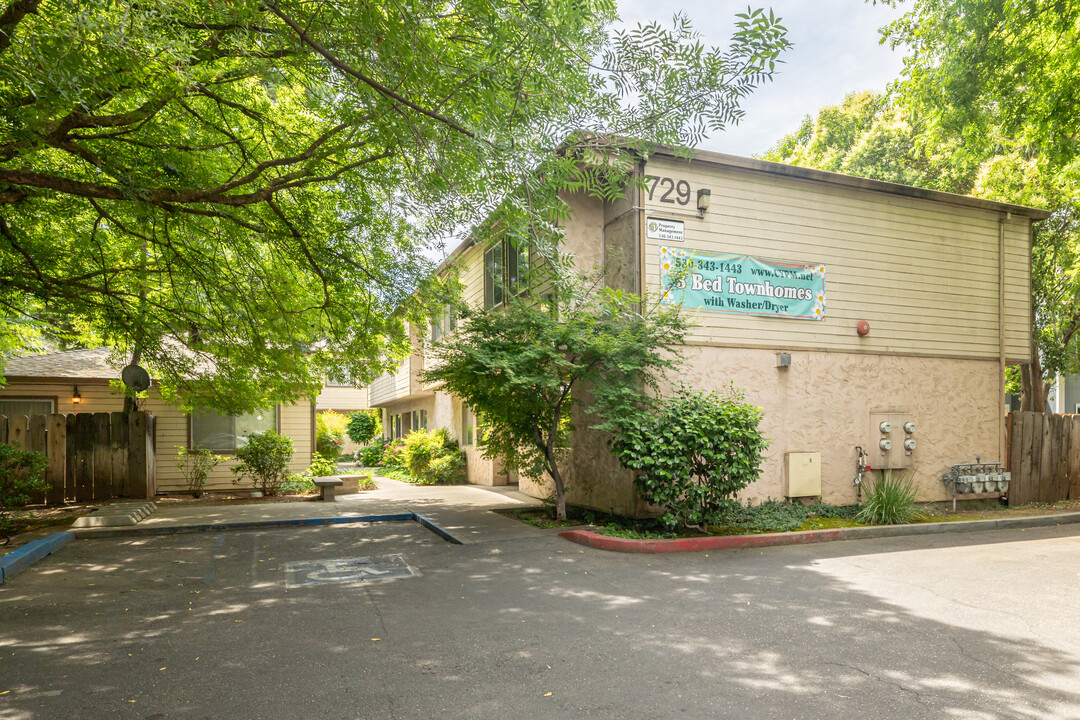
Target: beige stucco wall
822, 403
295, 421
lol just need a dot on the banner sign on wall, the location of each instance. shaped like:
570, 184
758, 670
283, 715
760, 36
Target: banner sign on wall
741, 284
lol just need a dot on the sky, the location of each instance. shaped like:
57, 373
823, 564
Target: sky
836, 51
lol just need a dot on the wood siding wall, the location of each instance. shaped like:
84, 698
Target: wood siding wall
340, 398
923, 273
295, 421
404, 382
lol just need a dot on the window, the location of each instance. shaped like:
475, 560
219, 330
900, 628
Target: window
423, 419
506, 270
445, 325
415, 421
225, 433
493, 275
27, 406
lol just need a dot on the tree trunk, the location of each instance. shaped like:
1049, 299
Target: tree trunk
560, 491
1039, 388
1025, 387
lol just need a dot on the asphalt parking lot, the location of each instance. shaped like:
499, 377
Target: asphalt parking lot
243, 625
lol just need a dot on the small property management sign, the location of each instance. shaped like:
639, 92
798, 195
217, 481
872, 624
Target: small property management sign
741, 284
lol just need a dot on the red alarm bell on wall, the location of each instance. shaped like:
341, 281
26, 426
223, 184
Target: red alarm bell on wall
863, 328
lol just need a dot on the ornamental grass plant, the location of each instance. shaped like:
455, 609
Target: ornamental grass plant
890, 500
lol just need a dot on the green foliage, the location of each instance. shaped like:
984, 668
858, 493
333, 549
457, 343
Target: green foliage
322, 466
371, 455
890, 499
330, 428
218, 186
264, 461
298, 484
433, 458
522, 369
774, 516
196, 464
364, 425
22, 472
692, 453
393, 455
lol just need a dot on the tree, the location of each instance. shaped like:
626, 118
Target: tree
522, 368
1003, 80
239, 194
363, 426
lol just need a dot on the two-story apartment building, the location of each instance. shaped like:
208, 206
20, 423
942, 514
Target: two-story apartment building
860, 315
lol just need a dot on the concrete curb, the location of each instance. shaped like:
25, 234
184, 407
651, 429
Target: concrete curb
806, 537
110, 532
18, 560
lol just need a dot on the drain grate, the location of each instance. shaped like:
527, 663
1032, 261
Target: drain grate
347, 570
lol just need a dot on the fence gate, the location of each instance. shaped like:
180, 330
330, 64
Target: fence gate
91, 456
1044, 457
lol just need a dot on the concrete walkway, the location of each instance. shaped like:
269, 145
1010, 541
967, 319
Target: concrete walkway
462, 510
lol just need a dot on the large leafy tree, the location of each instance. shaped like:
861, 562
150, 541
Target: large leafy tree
240, 194
1001, 81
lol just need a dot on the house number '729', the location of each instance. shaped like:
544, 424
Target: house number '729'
680, 188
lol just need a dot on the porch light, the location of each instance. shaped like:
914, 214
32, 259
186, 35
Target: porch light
704, 197
76, 398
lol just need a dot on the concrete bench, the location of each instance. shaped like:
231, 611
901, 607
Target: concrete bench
327, 486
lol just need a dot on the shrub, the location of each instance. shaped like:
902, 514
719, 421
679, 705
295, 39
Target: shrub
775, 516
692, 454
264, 460
890, 500
394, 454
363, 426
298, 485
22, 472
433, 458
330, 429
322, 466
448, 469
372, 455
196, 464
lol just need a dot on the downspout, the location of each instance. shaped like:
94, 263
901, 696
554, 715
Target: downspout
640, 204
1001, 335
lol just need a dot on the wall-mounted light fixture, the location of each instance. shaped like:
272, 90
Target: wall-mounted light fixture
76, 398
704, 197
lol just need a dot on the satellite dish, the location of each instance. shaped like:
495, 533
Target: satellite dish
135, 378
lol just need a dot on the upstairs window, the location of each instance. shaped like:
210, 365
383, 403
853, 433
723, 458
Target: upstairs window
445, 325
506, 270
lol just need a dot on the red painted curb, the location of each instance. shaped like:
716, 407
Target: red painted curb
723, 542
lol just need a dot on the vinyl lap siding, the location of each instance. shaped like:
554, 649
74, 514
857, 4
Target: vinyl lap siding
924, 274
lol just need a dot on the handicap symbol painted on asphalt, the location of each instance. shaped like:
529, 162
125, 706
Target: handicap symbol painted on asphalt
347, 570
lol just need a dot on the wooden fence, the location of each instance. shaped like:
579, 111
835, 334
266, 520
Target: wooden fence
91, 456
1044, 457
